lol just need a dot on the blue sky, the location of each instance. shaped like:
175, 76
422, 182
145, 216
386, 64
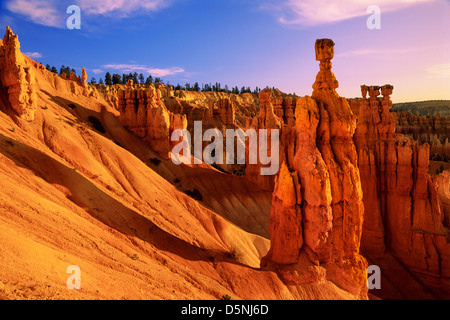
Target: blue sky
245, 42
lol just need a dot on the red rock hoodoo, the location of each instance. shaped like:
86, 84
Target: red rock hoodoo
17, 77
317, 206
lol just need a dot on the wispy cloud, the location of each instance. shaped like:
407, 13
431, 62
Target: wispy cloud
42, 12
34, 55
438, 71
97, 71
317, 12
121, 8
156, 72
377, 52
53, 13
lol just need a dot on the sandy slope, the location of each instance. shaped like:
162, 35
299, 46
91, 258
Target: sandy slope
73, 196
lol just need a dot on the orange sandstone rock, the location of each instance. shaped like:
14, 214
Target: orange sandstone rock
83, 78
17, 77
143, 113
318, 189
402, 211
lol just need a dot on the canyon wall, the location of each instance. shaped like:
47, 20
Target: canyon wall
403, 214
144, 114
433, 130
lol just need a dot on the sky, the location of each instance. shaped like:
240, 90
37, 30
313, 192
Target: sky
245, 42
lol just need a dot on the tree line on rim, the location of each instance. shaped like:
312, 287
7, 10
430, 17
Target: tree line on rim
111, 79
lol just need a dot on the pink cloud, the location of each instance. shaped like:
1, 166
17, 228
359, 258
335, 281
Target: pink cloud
317, 12
33, 55
52, 13
120, 7
156, 72
39, 11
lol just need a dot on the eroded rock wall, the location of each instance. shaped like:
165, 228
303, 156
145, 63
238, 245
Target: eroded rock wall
403, 213
145, 115
434, 130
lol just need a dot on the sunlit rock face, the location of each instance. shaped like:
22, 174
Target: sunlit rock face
17, 77
404, 208
317, 207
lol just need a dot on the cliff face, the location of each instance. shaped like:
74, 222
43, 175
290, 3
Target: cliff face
317, 206
403, 215
145, 111
442, 183
145, 115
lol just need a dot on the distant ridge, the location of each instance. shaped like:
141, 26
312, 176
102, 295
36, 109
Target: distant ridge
424, 108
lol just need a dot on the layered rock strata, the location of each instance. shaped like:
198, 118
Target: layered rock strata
317, 204
403, 215
145, 115
434, 130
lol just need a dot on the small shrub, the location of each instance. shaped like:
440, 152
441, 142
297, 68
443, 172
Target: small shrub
97, 124
195, 194
155, 161
226, 297
12, 129
440, 170
135, 257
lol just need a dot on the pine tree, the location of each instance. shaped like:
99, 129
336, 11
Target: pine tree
141, 78
93, 80
54, 70
108, 80
47, 66
100, 81
149, 80
196, 87
116, 79
124, 78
